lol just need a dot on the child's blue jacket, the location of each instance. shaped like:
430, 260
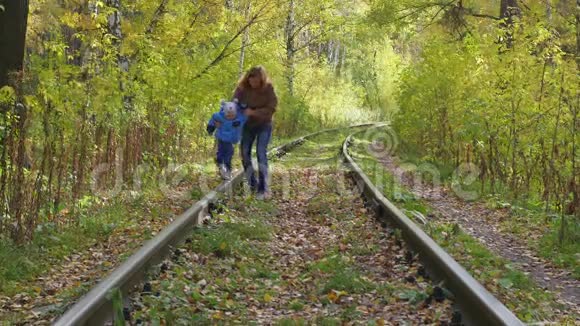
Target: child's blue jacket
230, 130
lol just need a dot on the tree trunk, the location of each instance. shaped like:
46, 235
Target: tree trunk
575, 122
245, 39
552, 161
508, 10
290, 47
575, 172
122, 61
578, 34
13, 20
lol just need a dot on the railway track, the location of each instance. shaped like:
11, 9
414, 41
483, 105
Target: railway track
475, 304
478, 306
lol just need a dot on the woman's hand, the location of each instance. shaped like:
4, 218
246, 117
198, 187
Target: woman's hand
250, 112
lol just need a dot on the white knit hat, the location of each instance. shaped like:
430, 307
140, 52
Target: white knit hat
229, 108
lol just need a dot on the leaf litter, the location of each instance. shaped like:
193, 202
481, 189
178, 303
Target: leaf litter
313, 254
484, 224
43, 299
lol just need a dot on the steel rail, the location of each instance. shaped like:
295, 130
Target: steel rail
476, 304
96, 307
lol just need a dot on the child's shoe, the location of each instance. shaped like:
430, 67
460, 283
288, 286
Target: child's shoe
225, 172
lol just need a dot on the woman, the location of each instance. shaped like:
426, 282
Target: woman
255, 90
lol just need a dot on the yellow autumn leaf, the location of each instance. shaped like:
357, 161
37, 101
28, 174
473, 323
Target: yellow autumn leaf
267, 297
332, 296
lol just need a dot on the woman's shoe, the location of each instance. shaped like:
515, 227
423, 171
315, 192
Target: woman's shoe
263, 196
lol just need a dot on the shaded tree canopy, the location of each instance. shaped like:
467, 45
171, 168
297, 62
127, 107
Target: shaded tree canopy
13, 21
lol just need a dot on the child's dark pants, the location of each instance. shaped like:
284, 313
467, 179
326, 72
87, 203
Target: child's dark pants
225, 152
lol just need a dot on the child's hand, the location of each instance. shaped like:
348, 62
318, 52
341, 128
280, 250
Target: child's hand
210, 129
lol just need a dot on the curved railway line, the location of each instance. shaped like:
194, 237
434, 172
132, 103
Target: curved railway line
476, 306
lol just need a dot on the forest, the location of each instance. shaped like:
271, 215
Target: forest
134, 83
101, 97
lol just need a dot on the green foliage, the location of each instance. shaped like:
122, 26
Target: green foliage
562, 244
21, 264
342, 276
349, 280
508, 110
120, 98
296, 305
376, 67
7, 95
291, 322
228, 238
328, 321
413, 296
117, 301
500, 95
294, 110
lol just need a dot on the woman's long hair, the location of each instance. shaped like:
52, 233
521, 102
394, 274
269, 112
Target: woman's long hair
257, 71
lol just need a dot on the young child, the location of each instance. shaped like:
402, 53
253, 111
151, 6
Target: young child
229, 123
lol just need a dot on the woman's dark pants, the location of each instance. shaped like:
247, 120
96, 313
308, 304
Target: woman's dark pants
262, 135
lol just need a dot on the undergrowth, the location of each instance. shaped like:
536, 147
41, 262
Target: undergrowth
94, 222
516, 290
